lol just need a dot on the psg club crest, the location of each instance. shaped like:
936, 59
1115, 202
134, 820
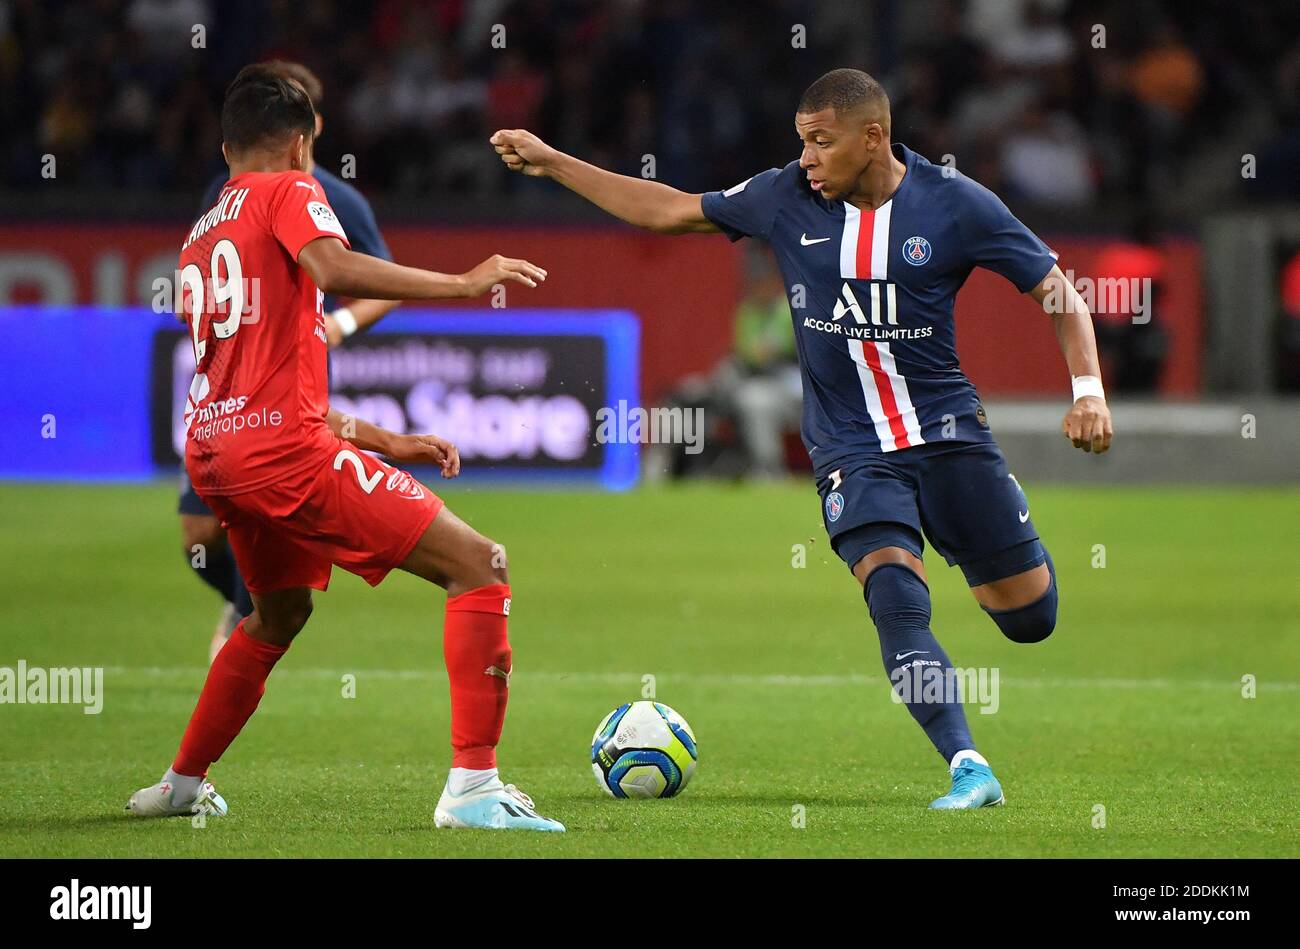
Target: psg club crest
916, 251
834, 506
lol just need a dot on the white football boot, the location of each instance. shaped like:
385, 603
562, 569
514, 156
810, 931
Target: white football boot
492, 806
225, 626
156, 801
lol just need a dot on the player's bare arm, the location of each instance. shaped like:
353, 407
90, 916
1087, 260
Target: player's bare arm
1087, 424
337, 270
420, 449
363, 315
648, 204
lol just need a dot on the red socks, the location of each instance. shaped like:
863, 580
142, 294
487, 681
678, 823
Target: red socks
477, 654
475, 648
236, 681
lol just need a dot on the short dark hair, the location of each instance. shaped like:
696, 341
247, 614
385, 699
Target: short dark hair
845, 90
301, 75
262, 105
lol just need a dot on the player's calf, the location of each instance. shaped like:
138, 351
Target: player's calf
472, 569
886, 560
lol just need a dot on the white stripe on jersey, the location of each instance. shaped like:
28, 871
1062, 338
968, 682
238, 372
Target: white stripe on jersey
867, 377
849, 241
882, 312
902, 399
880, 242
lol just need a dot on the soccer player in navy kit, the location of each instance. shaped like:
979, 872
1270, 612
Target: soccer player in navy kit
200, 528
876, 241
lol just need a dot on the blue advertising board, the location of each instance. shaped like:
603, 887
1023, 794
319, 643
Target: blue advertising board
96, 394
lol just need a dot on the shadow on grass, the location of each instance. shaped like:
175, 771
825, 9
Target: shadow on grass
64, 822
730, 799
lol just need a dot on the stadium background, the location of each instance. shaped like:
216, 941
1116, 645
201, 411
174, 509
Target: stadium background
1168, 151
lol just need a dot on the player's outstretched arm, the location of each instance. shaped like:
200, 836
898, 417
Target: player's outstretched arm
647, 204
1088, 424
343, 272
427, 449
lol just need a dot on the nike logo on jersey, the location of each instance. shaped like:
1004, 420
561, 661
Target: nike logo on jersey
914, 652
807, 242
1024, 516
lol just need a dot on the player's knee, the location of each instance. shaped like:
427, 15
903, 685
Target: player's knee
486, 565
299, 616
490, 566
1033, 622
201, 533
284, 623
897, 598
497, 563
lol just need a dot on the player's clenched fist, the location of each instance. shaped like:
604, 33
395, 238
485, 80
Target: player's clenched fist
497, 269
1088, 424
521, 150
429, 449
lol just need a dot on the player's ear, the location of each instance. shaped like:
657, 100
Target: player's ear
874, 134
320, 124
298, 153
225, 154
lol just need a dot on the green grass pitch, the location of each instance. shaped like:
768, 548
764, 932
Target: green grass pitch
1135, 704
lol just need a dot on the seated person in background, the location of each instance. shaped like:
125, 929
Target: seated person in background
761, 380
750, 399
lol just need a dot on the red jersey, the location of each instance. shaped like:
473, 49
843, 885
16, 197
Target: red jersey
256, 409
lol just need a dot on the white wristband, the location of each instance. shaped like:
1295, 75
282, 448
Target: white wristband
1087, 385
346, 322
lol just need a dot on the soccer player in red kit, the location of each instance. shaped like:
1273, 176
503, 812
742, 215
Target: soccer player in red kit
291, 479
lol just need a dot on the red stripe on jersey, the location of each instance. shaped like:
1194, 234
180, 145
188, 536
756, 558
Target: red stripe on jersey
885, 389
866, 230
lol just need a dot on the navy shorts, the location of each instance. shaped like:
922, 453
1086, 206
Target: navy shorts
960, 496
190, 502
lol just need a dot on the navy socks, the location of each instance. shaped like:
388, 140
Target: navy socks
917, 666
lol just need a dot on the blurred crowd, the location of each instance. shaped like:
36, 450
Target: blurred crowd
1050, 102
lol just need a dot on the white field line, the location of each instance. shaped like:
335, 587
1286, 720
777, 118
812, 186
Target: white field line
715, 679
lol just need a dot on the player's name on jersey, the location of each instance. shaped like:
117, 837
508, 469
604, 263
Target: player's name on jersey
226, 209
868, 332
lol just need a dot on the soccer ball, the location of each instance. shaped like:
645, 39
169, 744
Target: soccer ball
643, 749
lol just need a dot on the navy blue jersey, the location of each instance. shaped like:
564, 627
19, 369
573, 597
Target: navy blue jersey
872, 296
351, 208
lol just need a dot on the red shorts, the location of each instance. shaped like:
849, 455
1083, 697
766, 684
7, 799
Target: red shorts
350, 509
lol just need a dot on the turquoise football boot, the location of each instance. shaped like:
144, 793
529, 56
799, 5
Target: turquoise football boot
495, 806
973, 785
